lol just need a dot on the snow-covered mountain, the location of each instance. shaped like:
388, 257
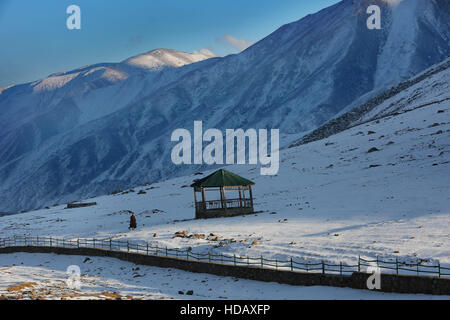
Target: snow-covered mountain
90, 92
107, 126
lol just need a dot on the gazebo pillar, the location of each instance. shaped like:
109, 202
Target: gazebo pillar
203, 195
240, 196
223, 198
203, 203
251, 196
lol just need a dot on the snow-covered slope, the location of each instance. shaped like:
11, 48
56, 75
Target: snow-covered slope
380, 188
56, 148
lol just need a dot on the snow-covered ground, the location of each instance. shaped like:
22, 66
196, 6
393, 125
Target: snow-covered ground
331, 200
43, 276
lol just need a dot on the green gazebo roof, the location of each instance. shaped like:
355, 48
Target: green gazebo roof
222, 178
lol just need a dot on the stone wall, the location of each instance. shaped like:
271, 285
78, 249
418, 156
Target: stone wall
357, 280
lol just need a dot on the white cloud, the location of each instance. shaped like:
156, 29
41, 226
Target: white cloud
239, 44
206, 52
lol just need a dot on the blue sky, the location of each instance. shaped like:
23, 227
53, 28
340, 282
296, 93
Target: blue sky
35, 41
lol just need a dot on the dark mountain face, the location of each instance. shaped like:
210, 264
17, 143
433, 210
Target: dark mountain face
108, 132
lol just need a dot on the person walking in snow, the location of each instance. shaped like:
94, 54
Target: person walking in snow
133, 224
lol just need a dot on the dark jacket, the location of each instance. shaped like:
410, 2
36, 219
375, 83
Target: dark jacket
133, 222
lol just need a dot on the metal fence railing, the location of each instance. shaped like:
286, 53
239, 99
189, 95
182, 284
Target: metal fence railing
418, 267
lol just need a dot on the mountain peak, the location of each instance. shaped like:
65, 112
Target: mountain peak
160, 58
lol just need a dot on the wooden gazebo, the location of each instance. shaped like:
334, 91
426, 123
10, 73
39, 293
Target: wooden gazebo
225, 182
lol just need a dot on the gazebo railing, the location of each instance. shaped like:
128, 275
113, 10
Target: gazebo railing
238, 203
228, 203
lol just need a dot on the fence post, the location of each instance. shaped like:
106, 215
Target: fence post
417, 264
110, 244
359, 263
377, 262
262, 262
234, 257
276, 264
50, 241
78, 243
292, 265
396, 264
14, 240
147, 250
167, 253
340, 267
439, 269
323, 267
37, 241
